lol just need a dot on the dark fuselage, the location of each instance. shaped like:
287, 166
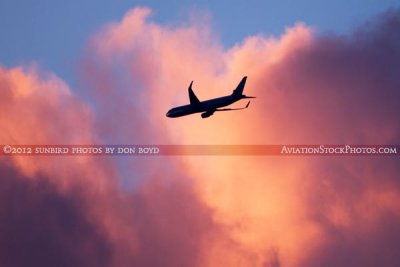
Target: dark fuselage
205, 106
208, 107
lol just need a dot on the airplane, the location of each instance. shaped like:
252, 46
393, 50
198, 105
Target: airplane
208, 107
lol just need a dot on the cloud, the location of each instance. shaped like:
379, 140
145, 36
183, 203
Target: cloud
41, 227
210, 211
311, 89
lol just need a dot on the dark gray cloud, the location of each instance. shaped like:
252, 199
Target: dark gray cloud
41, 227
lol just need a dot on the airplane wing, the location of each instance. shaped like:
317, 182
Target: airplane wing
228, 109
211, 112
192, 97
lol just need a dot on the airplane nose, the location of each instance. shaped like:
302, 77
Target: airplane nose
168, 114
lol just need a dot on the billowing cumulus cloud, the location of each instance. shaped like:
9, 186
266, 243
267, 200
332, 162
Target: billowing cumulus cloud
210, 211
41, 227
70, 210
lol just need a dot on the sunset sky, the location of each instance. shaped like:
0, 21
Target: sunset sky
106, 73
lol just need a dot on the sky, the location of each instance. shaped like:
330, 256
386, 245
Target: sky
107, 74
53, 33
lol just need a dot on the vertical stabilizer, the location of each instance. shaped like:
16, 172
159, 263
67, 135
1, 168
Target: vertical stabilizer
239, 89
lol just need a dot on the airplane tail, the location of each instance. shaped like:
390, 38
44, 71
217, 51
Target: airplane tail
239, 89
238, 92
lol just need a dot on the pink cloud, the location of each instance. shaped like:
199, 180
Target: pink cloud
310, 89
209, 211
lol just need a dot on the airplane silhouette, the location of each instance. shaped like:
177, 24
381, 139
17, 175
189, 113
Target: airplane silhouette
208, 107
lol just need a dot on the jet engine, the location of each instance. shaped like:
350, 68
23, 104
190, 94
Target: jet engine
207, 114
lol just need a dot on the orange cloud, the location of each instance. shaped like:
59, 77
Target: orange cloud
208, 210
50, 203
308, 91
